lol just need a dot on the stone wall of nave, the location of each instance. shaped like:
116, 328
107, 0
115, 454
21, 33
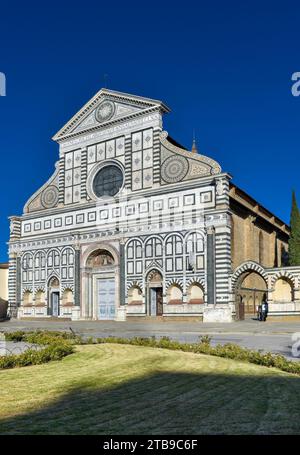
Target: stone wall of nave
252, 240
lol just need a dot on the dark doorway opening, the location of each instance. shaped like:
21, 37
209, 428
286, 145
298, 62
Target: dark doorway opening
159, 301
156, 301
251, 288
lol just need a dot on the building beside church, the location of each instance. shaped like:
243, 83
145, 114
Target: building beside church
133, 225
4, 281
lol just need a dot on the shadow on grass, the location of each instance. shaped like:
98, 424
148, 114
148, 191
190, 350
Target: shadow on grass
171, 403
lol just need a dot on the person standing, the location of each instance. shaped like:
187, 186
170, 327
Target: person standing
259, 313
264, 308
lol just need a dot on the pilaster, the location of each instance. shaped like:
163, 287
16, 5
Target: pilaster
211, 270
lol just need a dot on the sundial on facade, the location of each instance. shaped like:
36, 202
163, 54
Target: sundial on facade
105, 111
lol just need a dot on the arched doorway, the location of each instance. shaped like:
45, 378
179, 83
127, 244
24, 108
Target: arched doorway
155, 293
54, 297
250, 290
100, 266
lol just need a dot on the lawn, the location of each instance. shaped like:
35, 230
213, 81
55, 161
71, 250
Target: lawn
119, 389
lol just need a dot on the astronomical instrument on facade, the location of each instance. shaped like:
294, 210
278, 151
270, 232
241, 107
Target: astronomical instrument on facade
105, 111
174, 169
49, 197
108, 181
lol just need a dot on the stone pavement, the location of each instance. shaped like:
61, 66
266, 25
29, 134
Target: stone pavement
267, 336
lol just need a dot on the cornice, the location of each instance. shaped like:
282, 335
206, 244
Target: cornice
147, 193
110, 123
83, 237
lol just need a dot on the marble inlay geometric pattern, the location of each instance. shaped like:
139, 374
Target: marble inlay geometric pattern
72, 176
142, 159
150, 227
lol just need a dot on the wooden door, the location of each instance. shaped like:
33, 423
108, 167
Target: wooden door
153, 302
159, 302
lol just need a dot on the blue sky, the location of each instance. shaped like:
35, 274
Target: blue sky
224, 68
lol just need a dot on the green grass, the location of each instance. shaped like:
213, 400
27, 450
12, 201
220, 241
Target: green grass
122, 389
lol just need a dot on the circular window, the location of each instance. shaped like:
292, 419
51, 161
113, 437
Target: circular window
108, 181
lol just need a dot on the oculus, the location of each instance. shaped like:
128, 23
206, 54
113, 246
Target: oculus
108, 181
174, 169
105, 111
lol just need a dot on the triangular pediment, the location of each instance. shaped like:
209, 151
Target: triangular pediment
105, 108
118, 111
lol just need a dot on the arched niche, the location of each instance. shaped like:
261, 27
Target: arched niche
174, 295
283, 290
40, 297
68, 297
195, 294
135, 295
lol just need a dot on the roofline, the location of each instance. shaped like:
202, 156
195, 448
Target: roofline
142, 98
85, 109
176, 143
233, 185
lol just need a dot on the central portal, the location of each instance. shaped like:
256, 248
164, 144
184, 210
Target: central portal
101, 285
106, 299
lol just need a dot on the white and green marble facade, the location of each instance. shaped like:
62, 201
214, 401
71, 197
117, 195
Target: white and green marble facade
170, 199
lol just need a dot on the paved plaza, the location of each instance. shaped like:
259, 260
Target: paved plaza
275, 337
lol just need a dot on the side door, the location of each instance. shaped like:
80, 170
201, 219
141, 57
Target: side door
159, 302
153, 301
55, 304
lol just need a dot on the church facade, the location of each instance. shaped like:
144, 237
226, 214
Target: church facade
133, 225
